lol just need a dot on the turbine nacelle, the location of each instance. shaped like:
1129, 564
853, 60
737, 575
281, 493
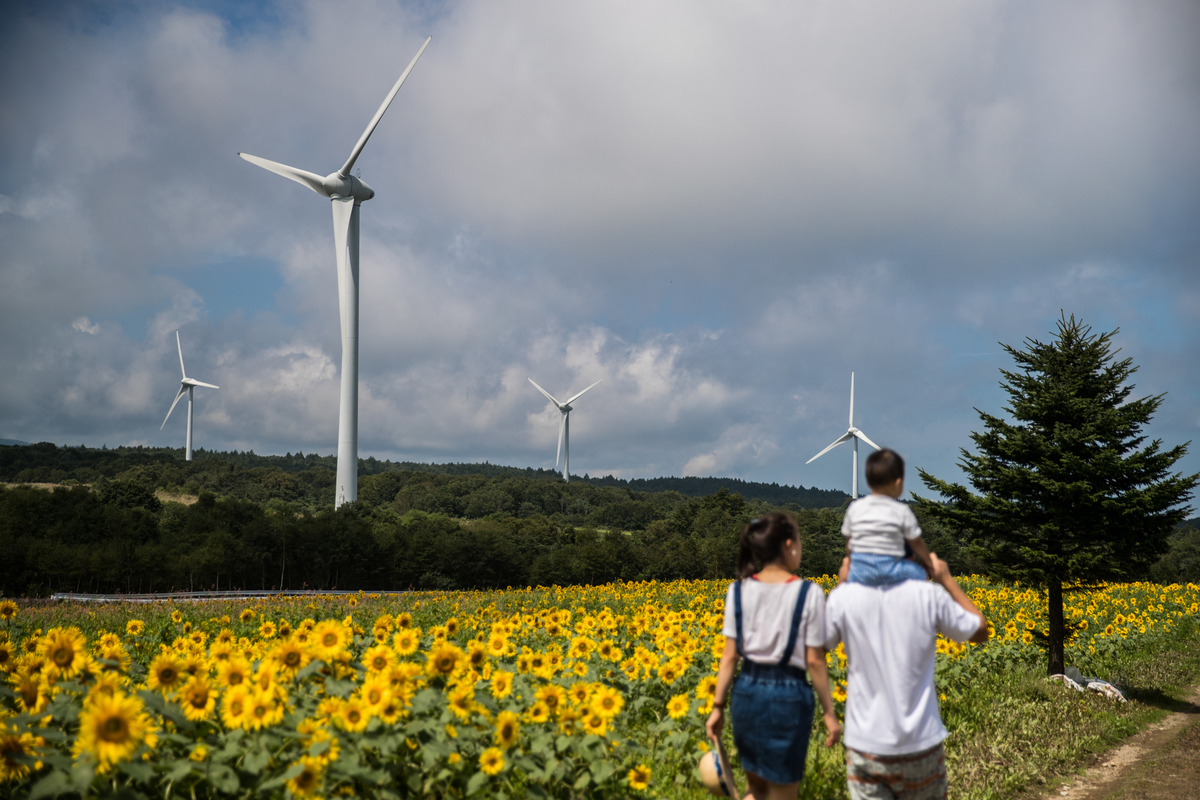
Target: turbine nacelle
337, 185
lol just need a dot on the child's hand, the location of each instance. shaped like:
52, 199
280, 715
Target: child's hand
834, 726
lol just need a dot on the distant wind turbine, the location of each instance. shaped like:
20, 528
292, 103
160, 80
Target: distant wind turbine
185, 385
348, 193
564, 432
852, 434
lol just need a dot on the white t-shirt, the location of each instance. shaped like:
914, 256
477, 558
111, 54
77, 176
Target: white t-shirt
767, 620
889, 633
879, 524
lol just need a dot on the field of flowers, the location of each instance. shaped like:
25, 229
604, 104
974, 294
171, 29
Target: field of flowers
548, 692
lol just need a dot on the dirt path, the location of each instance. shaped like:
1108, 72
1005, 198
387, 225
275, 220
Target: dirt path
1160, 763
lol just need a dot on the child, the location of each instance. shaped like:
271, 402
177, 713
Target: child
776, 622
881, 531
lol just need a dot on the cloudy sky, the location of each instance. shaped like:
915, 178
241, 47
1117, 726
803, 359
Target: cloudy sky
720, 209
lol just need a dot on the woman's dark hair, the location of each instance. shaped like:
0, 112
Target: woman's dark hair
762, 540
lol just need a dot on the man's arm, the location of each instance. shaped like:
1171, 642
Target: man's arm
941, 574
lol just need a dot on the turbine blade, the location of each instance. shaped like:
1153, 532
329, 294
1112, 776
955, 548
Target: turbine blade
863, 436
182, 369
576, 397
182, 391
309, 179
845, 437
387, 101
851, 399
562, 427
200, 383
549, 396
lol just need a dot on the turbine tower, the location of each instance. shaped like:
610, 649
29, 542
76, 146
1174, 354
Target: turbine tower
564, 432
186, 384
852, 434
348, 193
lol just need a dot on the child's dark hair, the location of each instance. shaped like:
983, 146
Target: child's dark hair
884, 467
762, 540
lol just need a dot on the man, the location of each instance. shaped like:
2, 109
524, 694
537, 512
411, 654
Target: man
893, 730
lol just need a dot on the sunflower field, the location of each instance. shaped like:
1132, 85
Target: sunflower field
597, 691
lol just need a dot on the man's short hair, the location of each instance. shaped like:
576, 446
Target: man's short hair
884, 467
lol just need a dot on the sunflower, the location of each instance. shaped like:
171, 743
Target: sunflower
594, 723
353, 715
375, 693
497, 645
581, 647
111, 728
8, 609
14, 746
233, 671
707, 687
607, 702
631, 668
677, 706
491, 761
263, 710
462, 701
567, 718
406, 641
404, 620
539, 712
580, 693
308, 781
580, 669
267, 630
508, 729
107, 683
330, 637
285, 628
444, 660
669, 672
379, 659
176, 617
476, 655
391, 711
198, 698
639, 778
288, 658
226, 636
502, 684
106, 639
64, 651
555, 697
8, 655
165, 673
452, 627
246, 616
198, 638
234, 707
33, 692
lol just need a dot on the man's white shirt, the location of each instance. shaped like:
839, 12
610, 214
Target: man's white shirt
889, 633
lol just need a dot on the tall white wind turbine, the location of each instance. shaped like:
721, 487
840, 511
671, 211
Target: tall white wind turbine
186, 384
348, 193
852, 434
564, 429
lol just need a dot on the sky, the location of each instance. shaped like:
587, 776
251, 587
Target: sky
719, 210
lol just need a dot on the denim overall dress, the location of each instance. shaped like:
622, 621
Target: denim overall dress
772, 707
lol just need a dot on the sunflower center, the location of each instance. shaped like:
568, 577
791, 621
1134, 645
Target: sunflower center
114, 729
63, 656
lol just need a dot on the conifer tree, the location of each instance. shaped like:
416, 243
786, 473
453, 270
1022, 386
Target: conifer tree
1067, 492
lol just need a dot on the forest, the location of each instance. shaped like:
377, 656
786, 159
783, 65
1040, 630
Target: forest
133, 520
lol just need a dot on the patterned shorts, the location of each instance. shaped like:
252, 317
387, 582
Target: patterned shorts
914, 776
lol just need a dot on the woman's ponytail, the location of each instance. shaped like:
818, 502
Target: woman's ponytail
762, 540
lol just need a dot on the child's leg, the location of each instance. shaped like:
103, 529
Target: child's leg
871, 569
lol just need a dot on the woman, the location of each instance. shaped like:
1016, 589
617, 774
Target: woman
776, 622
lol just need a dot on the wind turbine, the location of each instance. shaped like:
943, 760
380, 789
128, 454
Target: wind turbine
348, 193
852, 434
186, 384
564, 432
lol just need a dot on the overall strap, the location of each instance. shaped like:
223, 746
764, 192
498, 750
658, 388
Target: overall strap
796, 616
737, 613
